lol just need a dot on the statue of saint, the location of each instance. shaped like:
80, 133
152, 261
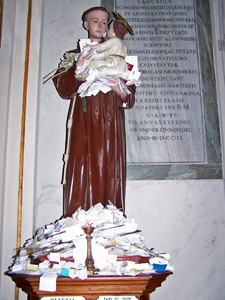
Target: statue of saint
95, 159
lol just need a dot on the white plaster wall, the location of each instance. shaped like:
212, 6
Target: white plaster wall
187, 220
184, 218
5, 62
11, 86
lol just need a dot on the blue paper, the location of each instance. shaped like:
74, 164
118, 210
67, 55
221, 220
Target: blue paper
159, 267
64, 272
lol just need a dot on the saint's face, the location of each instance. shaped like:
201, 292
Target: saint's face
96, 24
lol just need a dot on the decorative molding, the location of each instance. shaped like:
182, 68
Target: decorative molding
23, 118
1, 17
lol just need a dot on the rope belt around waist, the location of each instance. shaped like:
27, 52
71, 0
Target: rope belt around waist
118, 55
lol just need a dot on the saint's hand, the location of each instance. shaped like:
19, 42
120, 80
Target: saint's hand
82, 59
120, 89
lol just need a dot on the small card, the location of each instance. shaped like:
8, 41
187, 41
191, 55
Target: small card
54, 257
48, 282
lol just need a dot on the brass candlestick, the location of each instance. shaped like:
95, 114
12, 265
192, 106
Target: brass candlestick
89, 262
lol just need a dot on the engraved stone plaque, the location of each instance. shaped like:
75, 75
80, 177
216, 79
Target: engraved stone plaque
166, 124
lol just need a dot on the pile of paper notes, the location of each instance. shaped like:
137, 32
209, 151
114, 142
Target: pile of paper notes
60, 248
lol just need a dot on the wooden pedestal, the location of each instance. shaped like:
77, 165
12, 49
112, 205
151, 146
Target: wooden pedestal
94, 286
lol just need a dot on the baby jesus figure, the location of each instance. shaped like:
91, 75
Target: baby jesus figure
107, 62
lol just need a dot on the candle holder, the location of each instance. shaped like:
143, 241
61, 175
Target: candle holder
89, 262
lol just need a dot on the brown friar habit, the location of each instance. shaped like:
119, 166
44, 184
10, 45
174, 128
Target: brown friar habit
96, 166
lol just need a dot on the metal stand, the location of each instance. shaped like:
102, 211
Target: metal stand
89, 262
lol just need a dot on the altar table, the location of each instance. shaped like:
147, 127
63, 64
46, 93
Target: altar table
94, 286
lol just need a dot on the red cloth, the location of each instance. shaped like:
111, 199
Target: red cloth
96, 170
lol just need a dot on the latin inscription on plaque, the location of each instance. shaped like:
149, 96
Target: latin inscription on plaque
166, 124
